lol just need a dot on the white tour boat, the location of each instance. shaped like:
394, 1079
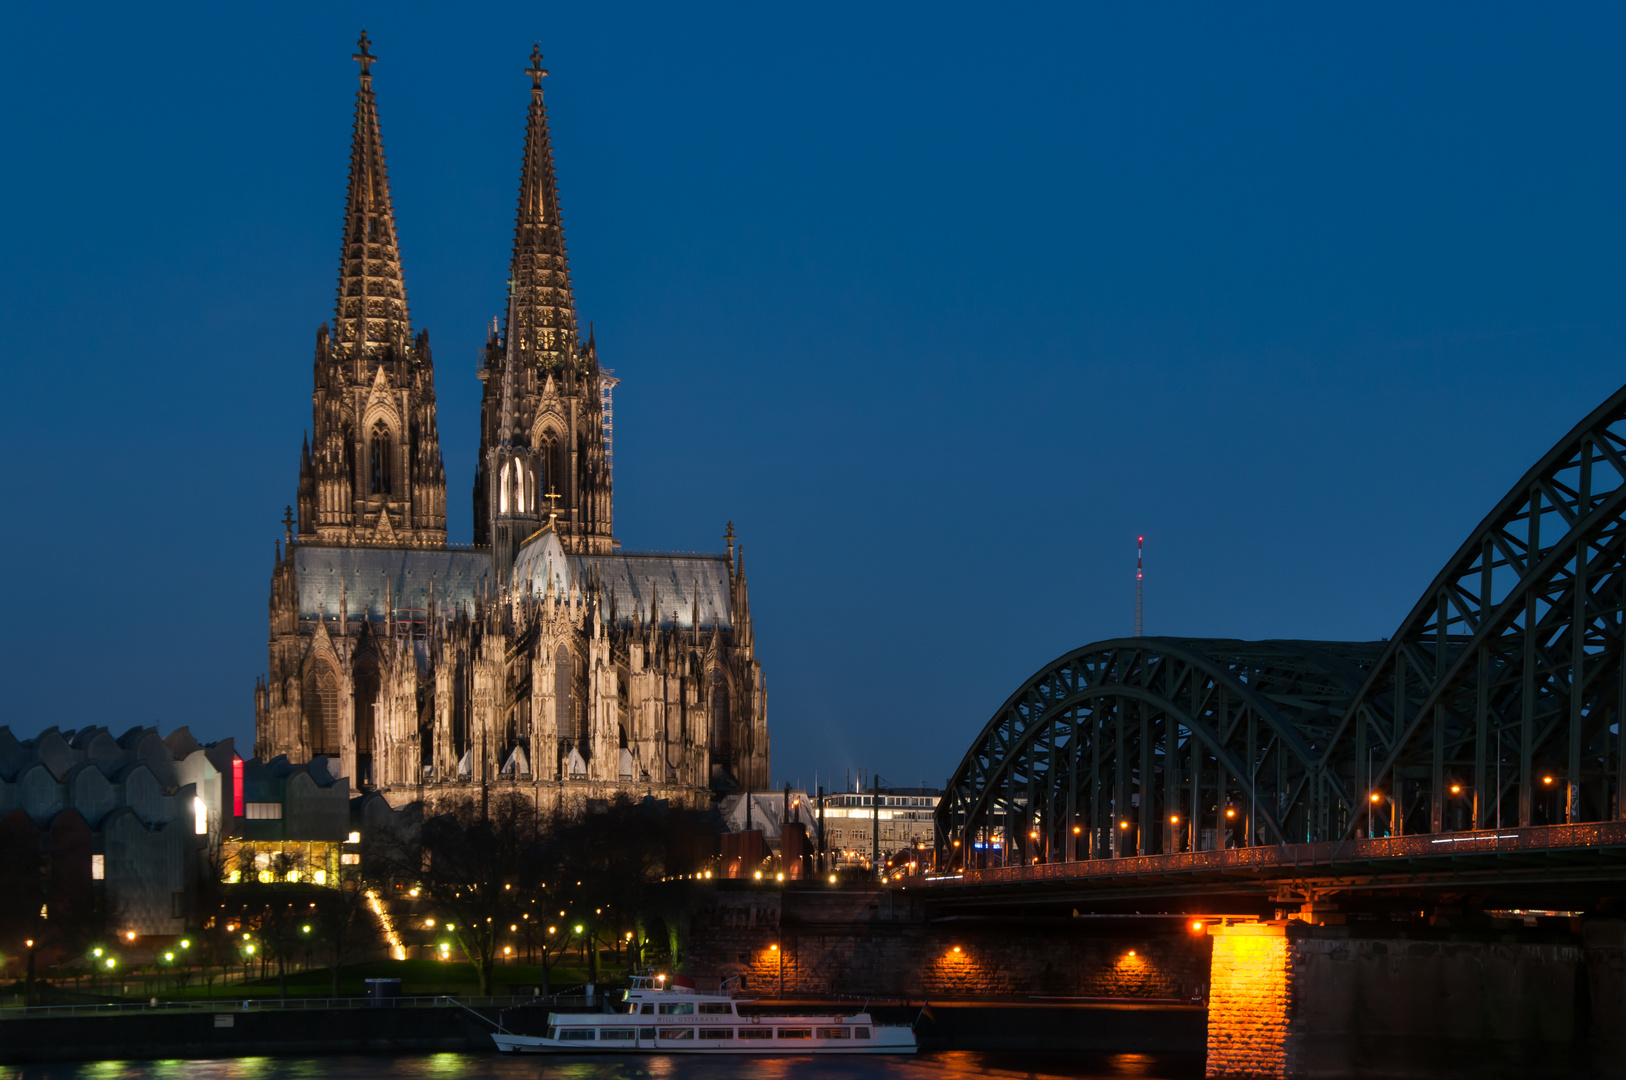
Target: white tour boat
676, 1019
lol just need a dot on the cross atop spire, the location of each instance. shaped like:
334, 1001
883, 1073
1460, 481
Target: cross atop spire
536, 70
544, 308
372, 310
364, 58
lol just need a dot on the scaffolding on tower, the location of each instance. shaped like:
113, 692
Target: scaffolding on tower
607, 382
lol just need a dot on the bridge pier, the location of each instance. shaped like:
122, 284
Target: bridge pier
1426, 992
1288, 1000
1249, 1002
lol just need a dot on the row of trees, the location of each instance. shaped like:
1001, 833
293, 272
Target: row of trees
617, 873
618, 876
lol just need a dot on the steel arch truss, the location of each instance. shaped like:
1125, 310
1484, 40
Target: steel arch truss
1498, 701
1155, 745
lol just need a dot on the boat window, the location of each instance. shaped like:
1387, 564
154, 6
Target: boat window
614, 1034
677, 1033
646, 1033
756, 1033
716, 1033
835, 1033
632, 1008
723, 1009
547, 1033
685, 1009
795, 1033
576, 1034
860, 1033
647, 1010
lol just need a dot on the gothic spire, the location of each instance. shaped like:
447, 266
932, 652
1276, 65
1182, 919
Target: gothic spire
539, 273
372, 307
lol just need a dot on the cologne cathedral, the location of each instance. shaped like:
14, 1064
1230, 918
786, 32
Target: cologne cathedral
543, 658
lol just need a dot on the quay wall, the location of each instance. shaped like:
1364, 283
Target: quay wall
144, 1036
820, 943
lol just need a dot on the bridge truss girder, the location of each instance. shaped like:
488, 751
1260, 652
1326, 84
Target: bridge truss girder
1151, 746
1497, 703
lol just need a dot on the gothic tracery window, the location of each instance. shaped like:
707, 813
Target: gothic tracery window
379, 456
561, 693
321, 709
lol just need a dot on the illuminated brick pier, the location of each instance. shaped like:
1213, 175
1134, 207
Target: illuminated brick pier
1249, 1002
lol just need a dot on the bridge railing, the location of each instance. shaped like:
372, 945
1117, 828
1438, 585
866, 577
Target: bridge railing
1307, 856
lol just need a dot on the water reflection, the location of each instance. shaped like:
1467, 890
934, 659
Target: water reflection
940, 1065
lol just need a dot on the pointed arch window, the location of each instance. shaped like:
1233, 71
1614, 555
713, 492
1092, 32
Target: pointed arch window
321, 709
379, 453
561, 693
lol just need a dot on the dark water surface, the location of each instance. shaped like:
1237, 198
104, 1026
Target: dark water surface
941, 1065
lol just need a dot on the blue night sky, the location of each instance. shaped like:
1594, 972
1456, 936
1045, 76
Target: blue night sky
941, 305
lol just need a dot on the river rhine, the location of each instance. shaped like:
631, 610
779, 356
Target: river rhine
940, 1065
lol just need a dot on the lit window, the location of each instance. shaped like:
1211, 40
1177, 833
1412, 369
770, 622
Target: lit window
200, 817
264, 811
98, 867
353, 838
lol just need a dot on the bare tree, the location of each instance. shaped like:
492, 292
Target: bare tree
343, 928
475, 865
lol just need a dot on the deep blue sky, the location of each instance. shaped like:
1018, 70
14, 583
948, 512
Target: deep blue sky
941, 305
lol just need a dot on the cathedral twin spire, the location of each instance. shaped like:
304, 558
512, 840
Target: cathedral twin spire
539, 273
373, 471
372, 305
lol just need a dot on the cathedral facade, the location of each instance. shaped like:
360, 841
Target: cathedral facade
542, 658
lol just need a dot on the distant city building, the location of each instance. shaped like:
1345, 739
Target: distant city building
767, 811
903, 815
292, 823
132, 813
543, 659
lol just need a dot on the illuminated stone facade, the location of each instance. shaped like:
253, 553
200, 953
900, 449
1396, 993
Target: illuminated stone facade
542, 658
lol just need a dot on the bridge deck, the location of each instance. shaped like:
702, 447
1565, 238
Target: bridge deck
1554, 853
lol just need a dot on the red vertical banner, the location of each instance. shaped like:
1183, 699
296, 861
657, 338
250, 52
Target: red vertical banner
237, 786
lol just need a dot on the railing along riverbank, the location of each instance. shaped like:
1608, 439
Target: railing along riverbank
323, 1004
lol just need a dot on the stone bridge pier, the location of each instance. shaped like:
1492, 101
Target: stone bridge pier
1296, 998
1289, 999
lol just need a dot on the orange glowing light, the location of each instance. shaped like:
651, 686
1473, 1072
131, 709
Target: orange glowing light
1131, 952
1376, 797
1034, 835
1123, 824
1077, 829
773, 948
1196, 928
1456, 789
956, 948
1546, 779
1229, 812
1174, 819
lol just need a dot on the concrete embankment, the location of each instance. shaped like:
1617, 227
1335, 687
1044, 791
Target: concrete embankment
240, 1034
960, 1026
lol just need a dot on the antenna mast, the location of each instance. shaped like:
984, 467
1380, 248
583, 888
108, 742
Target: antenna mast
1139, 580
